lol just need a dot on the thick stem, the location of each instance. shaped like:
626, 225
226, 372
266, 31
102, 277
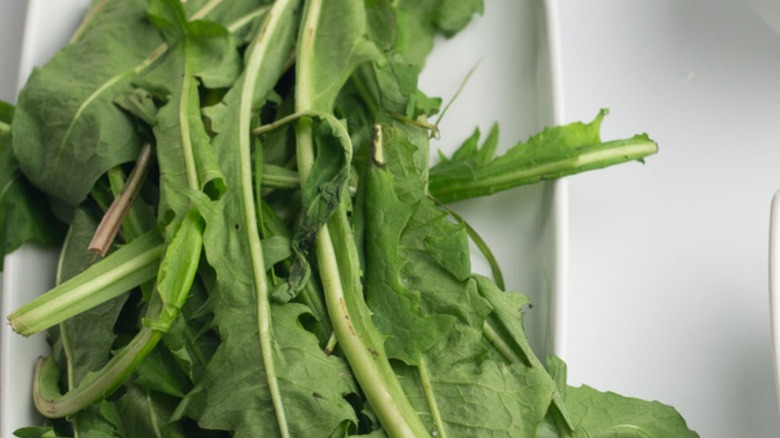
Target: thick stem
338, 269
177, 272
274, 22
126, 268
371, 368
53, 405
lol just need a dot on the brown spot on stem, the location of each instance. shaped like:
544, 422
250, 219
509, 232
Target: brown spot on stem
343, 306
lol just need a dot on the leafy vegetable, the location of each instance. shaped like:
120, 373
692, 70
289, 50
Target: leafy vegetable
280, 260
24, 211
473, 171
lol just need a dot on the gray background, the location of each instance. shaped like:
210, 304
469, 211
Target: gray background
668, 278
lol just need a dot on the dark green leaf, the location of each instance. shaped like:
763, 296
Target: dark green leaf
87, 338
35, 432
67, 130
139, 103
184, 153
233, 394
24, 211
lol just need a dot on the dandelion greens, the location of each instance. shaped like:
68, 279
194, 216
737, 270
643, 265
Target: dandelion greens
272, 253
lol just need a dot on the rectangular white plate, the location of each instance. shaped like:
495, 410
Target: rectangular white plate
514, 46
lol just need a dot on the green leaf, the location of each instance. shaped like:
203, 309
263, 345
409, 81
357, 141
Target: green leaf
24, 211
169, 17
330, 57
454, 15
420, 21
67, 130
35, 432
86, 339
253, 374
160, 372
234, 396
553, 153
177, 270
139, 103
184, 152
415, 276
606, 414
143, 413
321, 194
410, 332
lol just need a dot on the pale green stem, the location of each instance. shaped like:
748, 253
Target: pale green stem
246, 19
93, 10
372, 371
430, 397
64, 337
280, 181
76, 295
261, 48
331, 344
205, 9
184, 127
54, 405
360, 358
500, 345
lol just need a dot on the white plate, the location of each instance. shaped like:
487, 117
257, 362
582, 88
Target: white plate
515, 84
774, 285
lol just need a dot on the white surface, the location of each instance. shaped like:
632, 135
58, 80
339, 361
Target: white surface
774, 284
668, 275
11, 28
769, 10
514, 85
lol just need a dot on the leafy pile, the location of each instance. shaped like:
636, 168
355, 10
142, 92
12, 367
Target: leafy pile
254, 243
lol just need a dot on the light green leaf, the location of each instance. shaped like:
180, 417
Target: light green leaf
330, 57
410, 331
553, 153
606, 414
